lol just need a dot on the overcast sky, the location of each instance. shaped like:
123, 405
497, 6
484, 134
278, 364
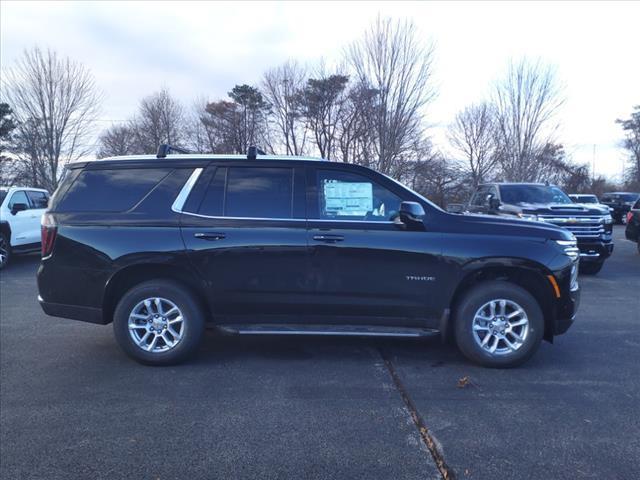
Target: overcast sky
203, 49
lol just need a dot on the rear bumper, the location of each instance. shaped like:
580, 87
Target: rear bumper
75, 312
595, 250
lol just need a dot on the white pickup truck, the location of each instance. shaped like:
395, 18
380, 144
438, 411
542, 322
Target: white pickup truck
20, 212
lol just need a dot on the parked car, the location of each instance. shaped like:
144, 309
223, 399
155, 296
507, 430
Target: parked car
621, 203
584, 198
591, 224
257, 244
632, 232
20, 212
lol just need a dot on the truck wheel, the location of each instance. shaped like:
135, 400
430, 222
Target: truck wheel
498, 324
158, 323
591, 268
5, 250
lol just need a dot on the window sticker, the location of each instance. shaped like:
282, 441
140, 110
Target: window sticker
347, 198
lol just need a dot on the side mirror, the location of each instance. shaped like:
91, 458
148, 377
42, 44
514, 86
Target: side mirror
493, 202
411, 212
18, 207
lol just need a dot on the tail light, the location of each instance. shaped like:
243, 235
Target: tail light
629, 216
48, 231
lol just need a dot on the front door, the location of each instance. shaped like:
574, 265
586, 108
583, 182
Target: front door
246, 236
366, 267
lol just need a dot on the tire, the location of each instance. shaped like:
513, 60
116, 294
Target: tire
477, 301
591, 268
175, 340
638, 244
5, 250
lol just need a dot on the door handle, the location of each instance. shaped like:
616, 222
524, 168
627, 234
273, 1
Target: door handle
210, 236
328, 238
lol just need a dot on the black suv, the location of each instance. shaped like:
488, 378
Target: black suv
265, 244
621, 203
591, 224
632, 232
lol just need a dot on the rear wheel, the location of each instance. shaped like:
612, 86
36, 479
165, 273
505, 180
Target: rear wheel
498, 324
158, 323
591, 268
5, 250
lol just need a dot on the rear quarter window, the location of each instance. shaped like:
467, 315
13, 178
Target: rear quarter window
110, 190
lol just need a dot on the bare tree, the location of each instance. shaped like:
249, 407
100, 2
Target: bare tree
281, 87
355, 132
527, 101
322, 101
472, 134
631, 127
391, 60
160, 119
55, 101
117, 140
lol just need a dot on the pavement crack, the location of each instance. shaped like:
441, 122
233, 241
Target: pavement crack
429, 441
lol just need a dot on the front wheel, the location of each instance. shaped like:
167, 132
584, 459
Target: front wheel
158, 323
5, 250
498, 324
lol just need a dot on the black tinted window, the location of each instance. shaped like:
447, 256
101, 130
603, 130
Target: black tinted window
249, 192
213, 202
38, 199
110, 190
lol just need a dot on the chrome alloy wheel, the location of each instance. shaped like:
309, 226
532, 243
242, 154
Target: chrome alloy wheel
500, 327
4, 251
156, 325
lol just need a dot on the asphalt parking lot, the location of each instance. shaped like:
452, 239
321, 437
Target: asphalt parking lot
73, 406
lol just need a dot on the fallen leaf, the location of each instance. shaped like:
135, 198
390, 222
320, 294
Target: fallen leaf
463, 382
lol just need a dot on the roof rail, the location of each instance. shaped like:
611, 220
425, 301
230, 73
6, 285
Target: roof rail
164, 149
253, 152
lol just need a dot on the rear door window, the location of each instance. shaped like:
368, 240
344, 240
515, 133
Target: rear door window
38, 199
249, 192
110, 190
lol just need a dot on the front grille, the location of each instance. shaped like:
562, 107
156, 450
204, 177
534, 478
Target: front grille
581, 227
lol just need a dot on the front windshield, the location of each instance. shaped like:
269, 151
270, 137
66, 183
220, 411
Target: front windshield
519, 194
629, 197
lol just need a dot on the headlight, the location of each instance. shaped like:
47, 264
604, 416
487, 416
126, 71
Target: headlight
570, 248
607, 220
528, 216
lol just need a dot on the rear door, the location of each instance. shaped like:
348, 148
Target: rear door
365, 267
39, 201
245, 231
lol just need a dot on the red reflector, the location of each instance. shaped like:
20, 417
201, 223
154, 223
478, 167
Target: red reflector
629, 216
48, 231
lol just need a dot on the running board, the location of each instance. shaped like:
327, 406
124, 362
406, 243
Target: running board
337, 330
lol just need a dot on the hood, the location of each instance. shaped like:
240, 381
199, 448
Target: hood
505, 226
573, 209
